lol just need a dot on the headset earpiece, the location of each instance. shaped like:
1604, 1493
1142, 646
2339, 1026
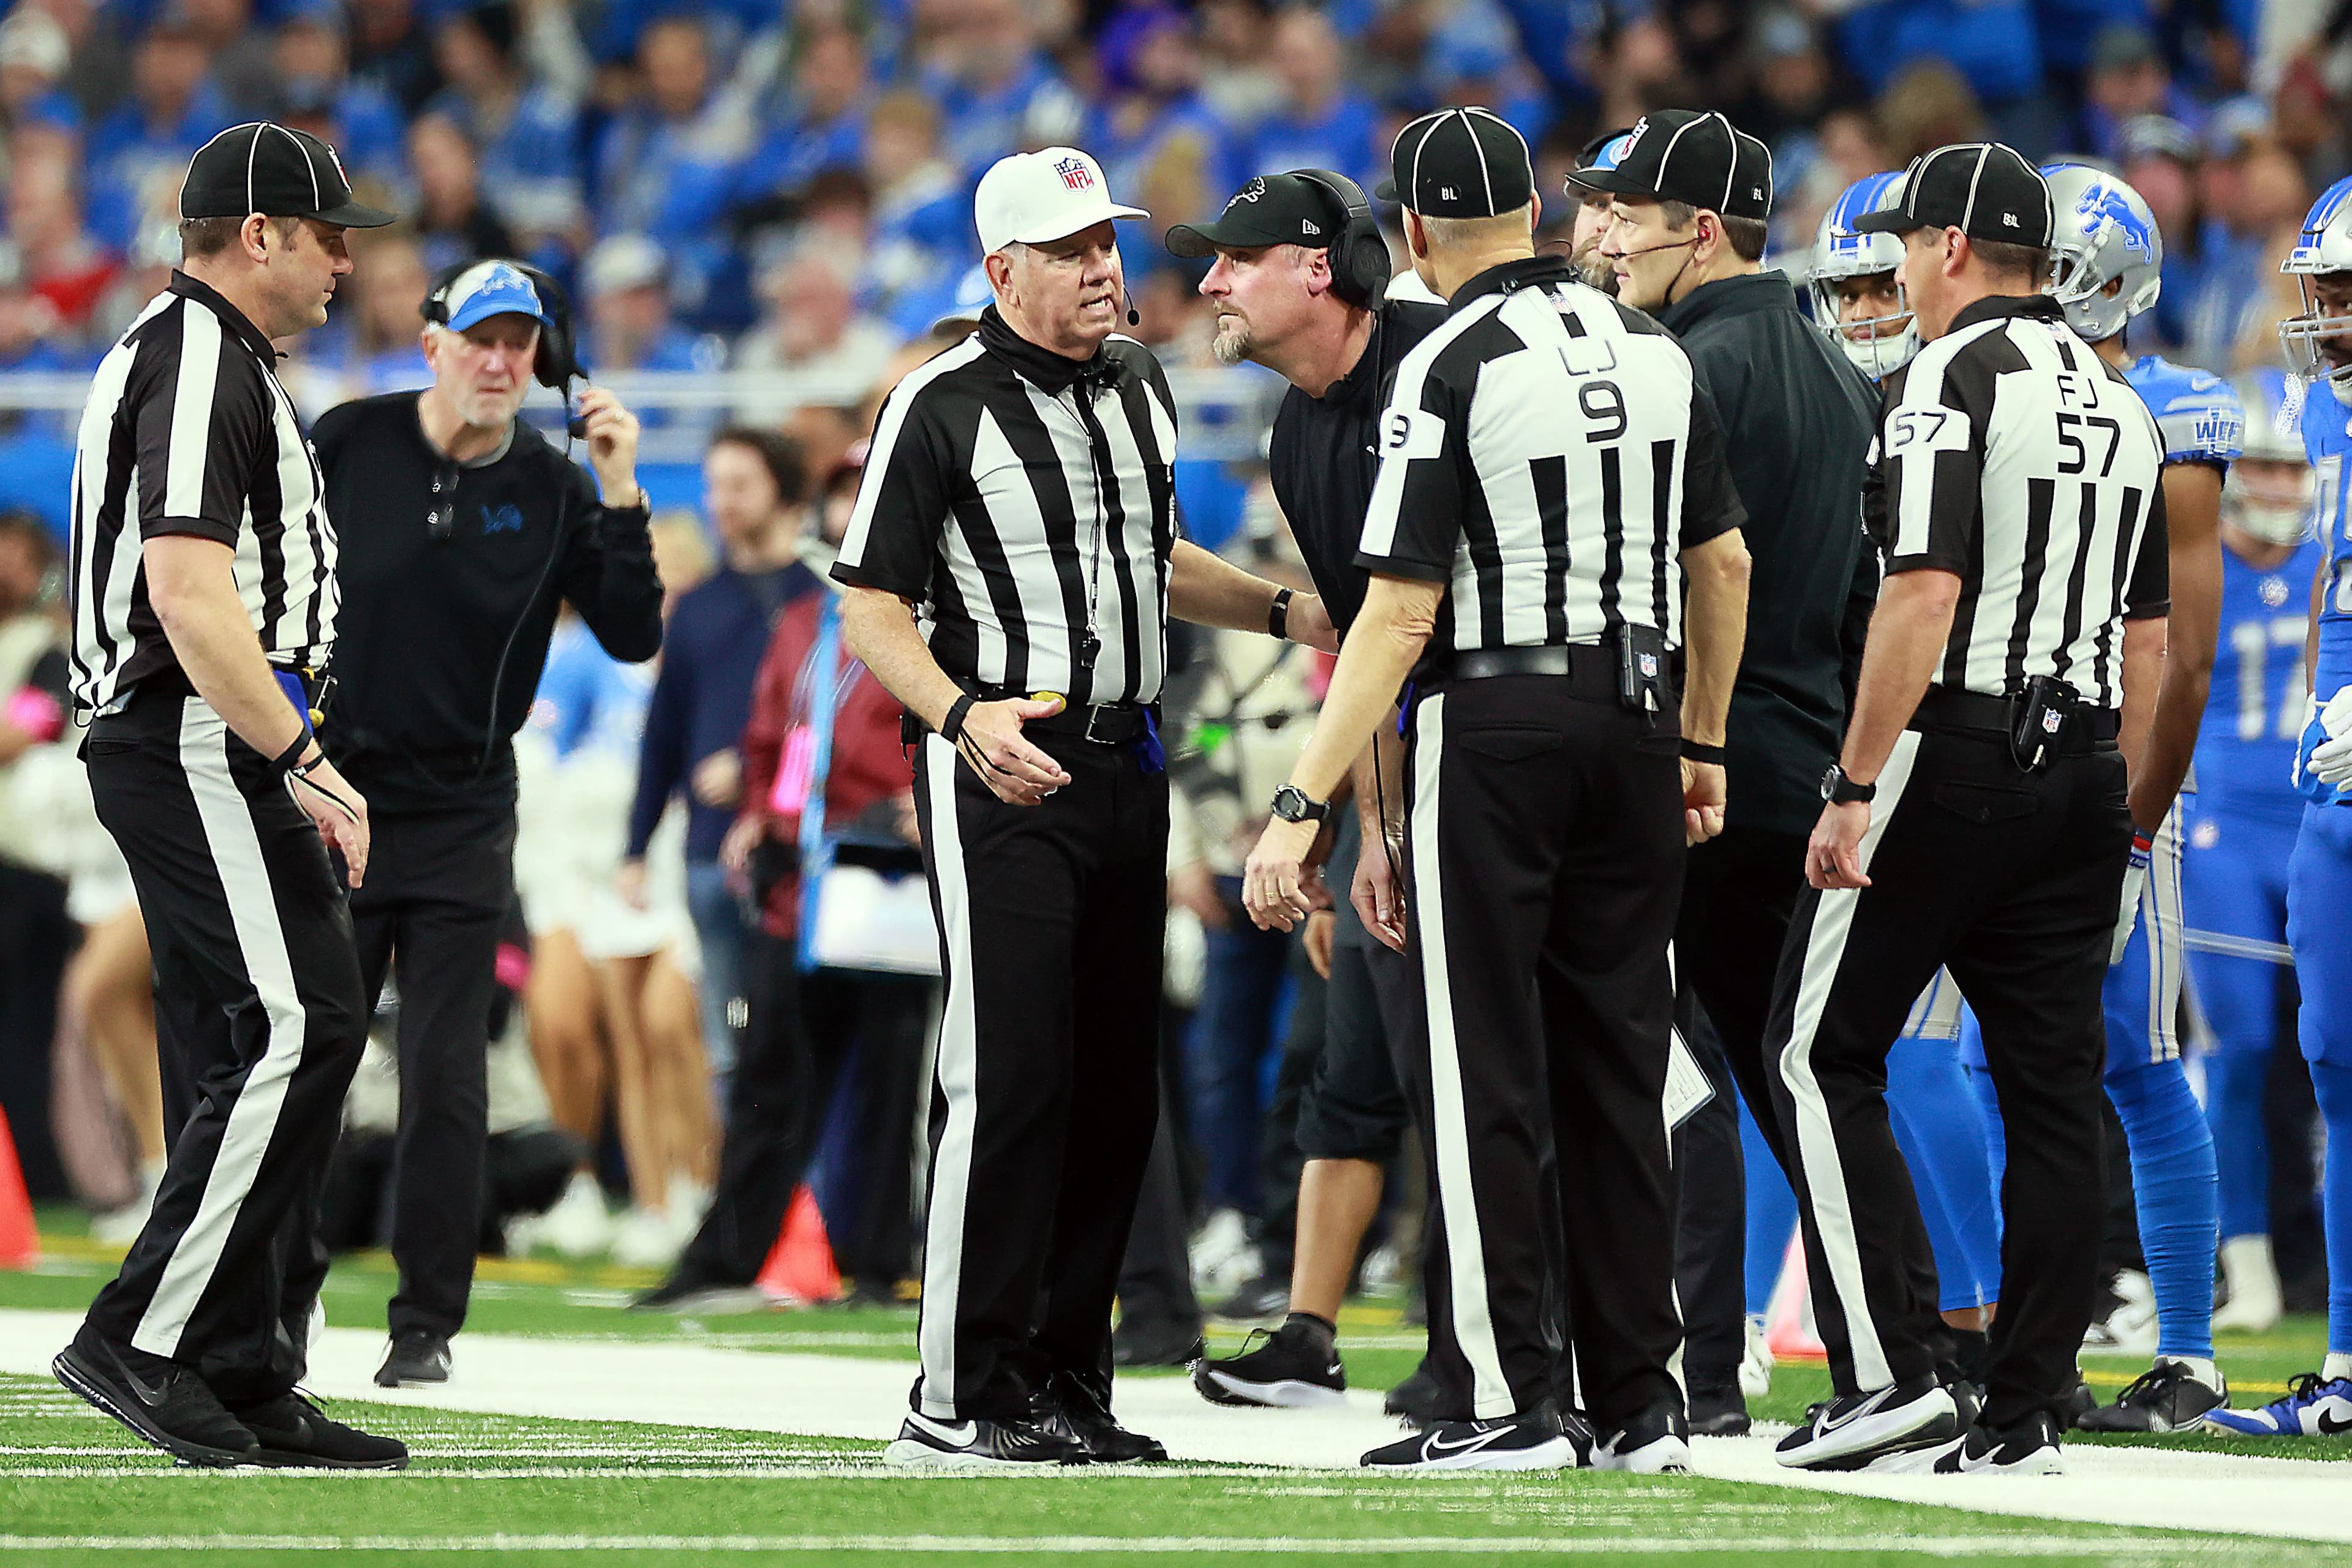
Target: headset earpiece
1359, 258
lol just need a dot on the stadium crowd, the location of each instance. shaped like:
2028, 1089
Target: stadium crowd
785, 195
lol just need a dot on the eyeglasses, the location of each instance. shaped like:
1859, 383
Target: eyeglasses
441, 519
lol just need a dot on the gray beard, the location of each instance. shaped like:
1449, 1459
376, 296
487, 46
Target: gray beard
1599, 274
1232, 342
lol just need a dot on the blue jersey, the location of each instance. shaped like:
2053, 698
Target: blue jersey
2198, 416
2327, 439
2245, 747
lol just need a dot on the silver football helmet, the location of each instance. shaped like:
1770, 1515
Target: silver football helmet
2324, 246
2271, 487
1878, 346
2106, 255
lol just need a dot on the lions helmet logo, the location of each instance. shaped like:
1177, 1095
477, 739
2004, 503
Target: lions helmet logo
2104, 206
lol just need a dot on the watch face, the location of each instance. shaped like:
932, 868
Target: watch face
1830, 781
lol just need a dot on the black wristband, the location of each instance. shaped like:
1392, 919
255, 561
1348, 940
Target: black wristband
952, 726
1700, 752
1277, 615
292, 754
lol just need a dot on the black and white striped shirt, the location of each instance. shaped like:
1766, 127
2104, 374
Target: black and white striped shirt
187, 431
1548, 455
1026, 504
2012, 456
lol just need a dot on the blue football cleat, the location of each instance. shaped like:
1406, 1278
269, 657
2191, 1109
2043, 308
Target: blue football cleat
2310, 1409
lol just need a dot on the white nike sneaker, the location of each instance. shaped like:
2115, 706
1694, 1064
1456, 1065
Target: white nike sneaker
2254, 1304
2029, 1449
926, 1443
1755, 1361
1652, 1443
2129, 1327
1534, 1441
1854, 1430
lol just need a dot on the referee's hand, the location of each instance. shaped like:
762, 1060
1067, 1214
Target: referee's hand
991, 743
1702, 801
1834, 856
338, 811
1274, 883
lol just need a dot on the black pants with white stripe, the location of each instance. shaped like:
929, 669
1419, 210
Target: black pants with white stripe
1047, 1092
1545, 844
259, 1022
2011, 878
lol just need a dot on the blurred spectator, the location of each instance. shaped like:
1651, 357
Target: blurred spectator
821, 125
62, 262
312, 85
34, 55
1992, 46
669, 157
1796, 84
814, 330
392, 281
1236, 82
99, 37
1149, 71
754, 487
1929, 104
174, 110
921, 215
29, 322
2157, 156
455, 222
997, 92
624, 286
390, 51
1321, 122
529, 133
2127, 79
238, 52
1640, 70
2252, 191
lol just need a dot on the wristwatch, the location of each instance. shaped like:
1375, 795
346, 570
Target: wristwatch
1840, 790
1291, 804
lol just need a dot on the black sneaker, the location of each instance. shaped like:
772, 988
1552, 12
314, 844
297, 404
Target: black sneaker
1414, 1401
294, 1433
1156, 1341
1294, 1369
417, 1356
2167, 1397
926, 1443
2028, 1449
165, 1403
1263, 1299
1537, 1440
1718, 1413
678, 1294
1068, 1409
1654, 1443
1968, 1401
2080, 1402
1854, 1430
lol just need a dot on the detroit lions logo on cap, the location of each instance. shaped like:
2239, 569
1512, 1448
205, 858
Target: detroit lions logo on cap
1074, 174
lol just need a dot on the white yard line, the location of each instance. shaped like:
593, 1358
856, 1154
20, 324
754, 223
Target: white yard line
841, 1396
1519, 1545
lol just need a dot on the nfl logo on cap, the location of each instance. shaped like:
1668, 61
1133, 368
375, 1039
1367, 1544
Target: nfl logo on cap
1075, 175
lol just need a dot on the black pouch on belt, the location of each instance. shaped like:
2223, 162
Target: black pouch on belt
2038, 718
1642, 684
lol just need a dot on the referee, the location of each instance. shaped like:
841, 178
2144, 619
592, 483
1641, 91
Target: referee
204, 600
1551, 479
1020, 496
1977, 820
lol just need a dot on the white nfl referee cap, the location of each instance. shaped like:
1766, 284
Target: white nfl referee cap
1031, 197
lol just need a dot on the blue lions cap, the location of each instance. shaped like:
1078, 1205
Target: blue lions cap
491, 289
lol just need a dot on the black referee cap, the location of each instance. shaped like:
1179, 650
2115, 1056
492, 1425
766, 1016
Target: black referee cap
267, 168
1460, 163
1701, 160
1984, 189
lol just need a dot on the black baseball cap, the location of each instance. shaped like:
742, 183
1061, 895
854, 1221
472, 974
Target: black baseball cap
1460, 163
272, 169
1272, 209
1984, 189
1701, 160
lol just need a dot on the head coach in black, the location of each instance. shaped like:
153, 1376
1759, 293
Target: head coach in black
1691, 197
1550, 482
1976, 820
464, 532
1299, 285
1020, 497
204, 602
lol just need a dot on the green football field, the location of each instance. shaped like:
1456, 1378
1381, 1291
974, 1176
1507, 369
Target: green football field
534, 1488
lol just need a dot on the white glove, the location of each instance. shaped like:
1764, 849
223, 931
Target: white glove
2135, 878
2331, 760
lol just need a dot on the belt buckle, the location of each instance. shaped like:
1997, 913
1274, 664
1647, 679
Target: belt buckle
1096, 716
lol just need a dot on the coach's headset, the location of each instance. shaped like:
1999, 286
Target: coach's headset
557, 363
1359, 257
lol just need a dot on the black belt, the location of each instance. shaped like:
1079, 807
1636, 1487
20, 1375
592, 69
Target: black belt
1947, 708
1105, 724
1589, 671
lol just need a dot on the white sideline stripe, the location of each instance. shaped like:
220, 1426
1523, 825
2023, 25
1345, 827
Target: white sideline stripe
236, 849
1817, 1150
959, 1081
1519, 1545
1465, 1256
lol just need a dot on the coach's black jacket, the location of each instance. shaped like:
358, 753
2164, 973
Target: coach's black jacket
440, 641
1798, 419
